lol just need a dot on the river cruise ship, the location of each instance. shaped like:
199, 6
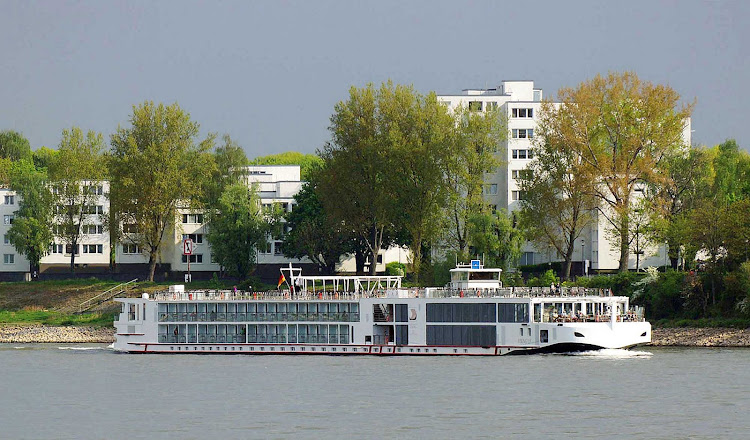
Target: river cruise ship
374, 315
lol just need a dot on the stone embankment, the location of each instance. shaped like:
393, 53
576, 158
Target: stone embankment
700, 337
40, 333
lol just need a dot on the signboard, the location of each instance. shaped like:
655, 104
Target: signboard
475, 264
187, 247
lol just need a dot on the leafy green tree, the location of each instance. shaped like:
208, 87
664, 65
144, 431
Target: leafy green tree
43, 157
228, 167
619, 128
686, 183
237, 229
496, 236
156, 164
313, 234
31, 231
356, 182
731, 167
307, 162
385, 168
476, 139
76, 173
557, 203
14, 146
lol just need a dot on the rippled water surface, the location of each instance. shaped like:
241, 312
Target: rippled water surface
89, 392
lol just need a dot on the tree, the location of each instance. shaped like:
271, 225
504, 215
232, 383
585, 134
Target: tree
557, 204
620, 129
307, 162
476, 139
31, 231
356, 181
43, 157
419, 133
76, 174
228, 167
14, 146
156, 164
313, 234
237, 228
687, 179
495, 235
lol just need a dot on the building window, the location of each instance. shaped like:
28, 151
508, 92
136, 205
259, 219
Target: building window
266, 249
522, 112
56, 248
95, 189
522, 133
69, 249
93, 249
6, 240
195, 238
93, 209
518, 195
527, 258
130, 248
8, 219
491, 106
93, 229
192, 218
522, 154
520, 174
9, 258
475, 106
130, 228
277, 250
195, 258
490, 189
10, 200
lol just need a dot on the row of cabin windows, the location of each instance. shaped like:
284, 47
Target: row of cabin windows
478, 312
253, 333
259, 307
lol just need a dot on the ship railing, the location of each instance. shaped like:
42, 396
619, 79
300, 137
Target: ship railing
517, 292
603, 317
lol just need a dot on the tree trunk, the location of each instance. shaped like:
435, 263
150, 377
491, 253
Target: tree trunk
568, 260
374, 260
74, 248
151, 265
624, 244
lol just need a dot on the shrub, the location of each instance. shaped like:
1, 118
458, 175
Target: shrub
394, 268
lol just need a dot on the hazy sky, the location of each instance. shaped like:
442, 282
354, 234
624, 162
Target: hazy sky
269, 73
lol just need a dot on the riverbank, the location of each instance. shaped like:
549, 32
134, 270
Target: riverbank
54, 334
663, 337
700, 337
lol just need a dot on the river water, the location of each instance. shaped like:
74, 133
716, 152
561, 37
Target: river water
89, 392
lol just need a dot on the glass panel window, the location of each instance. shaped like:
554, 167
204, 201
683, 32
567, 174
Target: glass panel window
10, 200
9, 258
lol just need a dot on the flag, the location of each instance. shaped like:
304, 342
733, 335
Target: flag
281, 280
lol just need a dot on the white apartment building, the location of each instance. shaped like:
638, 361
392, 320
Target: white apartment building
91, 251
519, 102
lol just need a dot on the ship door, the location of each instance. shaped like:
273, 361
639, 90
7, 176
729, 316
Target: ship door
382, 334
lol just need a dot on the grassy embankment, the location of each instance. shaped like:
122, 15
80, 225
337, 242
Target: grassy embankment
53, 303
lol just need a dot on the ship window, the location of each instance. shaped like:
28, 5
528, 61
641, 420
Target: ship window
543, 336
513, 312
454, 312
402, 313
402, 335
468, 335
